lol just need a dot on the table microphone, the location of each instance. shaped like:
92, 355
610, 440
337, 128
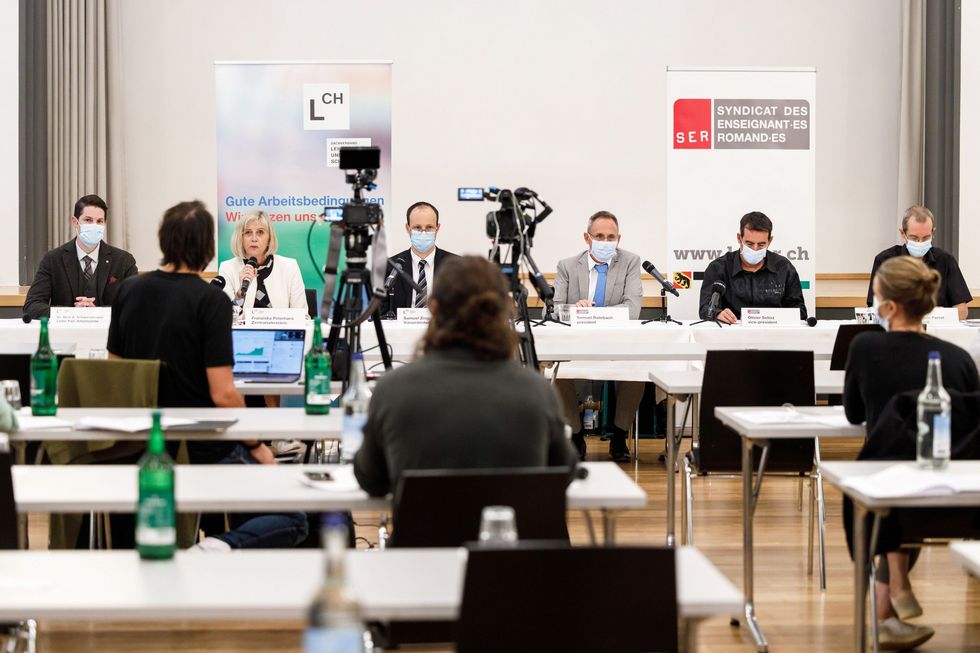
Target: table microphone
218, 282
254, 262
718, 290
581, 473
811, 321
655, 273
27, 318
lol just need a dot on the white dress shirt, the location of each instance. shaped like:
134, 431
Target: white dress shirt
94, 255
430, 267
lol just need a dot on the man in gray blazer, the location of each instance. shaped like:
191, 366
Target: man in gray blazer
604, 275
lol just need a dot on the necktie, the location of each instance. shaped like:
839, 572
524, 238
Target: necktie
600, 285
421, 296
88, 267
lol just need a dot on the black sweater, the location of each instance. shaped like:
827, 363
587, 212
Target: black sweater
450, 411
881, 365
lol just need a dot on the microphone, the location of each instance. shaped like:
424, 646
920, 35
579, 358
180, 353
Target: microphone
718, 290
811, 321
666, 285
396, 269
581, 473
218, 282
27, 318
255, 264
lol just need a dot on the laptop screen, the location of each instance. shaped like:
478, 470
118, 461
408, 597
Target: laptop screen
268, 351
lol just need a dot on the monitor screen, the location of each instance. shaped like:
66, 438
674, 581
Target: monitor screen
268, 351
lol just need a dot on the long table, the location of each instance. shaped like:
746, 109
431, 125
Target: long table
395, 584
839, 473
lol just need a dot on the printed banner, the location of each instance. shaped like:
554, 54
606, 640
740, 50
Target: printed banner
740, 140
280, 128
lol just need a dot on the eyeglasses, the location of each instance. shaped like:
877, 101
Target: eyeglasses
426, 229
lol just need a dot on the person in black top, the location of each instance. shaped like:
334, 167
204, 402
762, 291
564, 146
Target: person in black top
881, 365
466, 403
918, 227
755, 276
421, 260
171, 314
86, 270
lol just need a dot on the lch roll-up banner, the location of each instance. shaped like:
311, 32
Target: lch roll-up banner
740, 140
280, 128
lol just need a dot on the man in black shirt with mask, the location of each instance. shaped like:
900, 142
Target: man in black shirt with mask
754, 276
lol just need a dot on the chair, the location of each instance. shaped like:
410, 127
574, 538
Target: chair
443, 507
549, 597
755, 378
86, 383
842, 344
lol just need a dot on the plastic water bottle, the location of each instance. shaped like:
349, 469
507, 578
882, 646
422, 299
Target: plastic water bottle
335, 620
355, 403
933, 416
588, 416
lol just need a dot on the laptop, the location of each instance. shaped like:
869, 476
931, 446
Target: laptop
268, 355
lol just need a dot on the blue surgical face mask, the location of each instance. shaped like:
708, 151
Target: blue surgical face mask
753, 256
91, 234
423, 241
875, 307
604, 251
918, 249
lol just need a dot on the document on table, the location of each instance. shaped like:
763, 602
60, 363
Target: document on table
36, 423
791, 416
128, 424
910, 480
343, 480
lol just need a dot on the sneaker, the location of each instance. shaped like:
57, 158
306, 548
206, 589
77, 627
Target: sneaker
578, 439
618, 451
211, 545
896, 635
906, 606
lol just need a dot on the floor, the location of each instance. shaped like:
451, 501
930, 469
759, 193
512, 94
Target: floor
794, 614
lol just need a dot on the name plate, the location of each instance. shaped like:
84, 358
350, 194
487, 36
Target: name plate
275, 317
942, 316
89, 317
771, 317
414, 316
599, 315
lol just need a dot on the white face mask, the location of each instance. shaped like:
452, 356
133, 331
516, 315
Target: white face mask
91, 233
753, 256
918, 249
875, 307
603, 251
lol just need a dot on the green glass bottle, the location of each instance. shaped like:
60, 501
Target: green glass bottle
156, 518
44, 376
317, 375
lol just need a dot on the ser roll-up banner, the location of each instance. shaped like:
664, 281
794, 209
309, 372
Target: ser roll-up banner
280, 126
740, 140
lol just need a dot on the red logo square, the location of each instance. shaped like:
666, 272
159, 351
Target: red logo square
692, 124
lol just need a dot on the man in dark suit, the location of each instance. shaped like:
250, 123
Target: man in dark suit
85, 271
421, 260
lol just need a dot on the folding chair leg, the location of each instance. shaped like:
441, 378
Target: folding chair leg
799, 496
873, 597
809, 530
688, 502
821, 531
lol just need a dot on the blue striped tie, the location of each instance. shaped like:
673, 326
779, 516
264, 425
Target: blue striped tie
600, 285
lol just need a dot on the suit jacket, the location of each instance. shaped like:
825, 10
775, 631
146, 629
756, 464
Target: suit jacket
59, 278
402, 291
623, 285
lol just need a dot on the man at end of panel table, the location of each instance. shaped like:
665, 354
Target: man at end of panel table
754, 275
603, 275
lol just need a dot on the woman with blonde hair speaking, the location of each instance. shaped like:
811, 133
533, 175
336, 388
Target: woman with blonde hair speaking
274, 281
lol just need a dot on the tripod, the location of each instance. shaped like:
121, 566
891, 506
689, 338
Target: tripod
526, 348
665, 318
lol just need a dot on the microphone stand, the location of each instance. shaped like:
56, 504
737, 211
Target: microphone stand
710, 319
665, 318
549, 315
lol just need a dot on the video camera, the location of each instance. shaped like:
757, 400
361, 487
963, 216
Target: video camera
511, 223
360, 165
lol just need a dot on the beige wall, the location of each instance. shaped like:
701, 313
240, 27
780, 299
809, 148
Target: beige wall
970, 141
566, 98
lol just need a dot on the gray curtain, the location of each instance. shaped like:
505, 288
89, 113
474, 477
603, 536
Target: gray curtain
911, 148
81, 144
941, 190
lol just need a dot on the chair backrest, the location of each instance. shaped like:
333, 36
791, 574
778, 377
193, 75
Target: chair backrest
845, 334
8, 509
311, 303
18, 367
753, 378
545, 597
443, 507
116, 383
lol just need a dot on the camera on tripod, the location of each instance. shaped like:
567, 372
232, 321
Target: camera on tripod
360, 165
513, 221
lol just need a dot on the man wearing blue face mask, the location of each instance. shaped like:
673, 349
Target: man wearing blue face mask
754, 276
918, 228
603, 275
85, 271
420, 260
